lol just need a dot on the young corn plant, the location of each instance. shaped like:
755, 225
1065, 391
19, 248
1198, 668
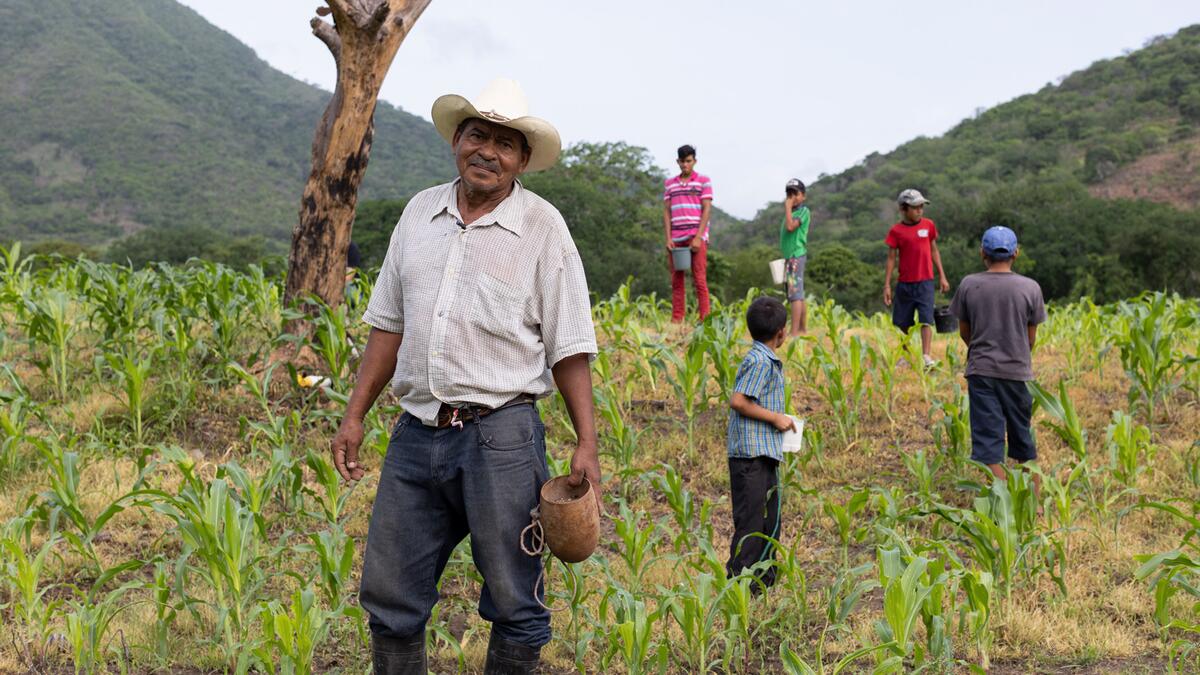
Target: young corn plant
631, 634
843, 518
695, 606
88, 621
980, 589
1149, 354
62, 501
1001, 530
132, 371
1129, 448
332, 494
637, 542
843, 385
22, 567
952, 431
17, 412
221, 546
840, 600
907, 586
693, 518
618, 439
720, 337
1064, 420
688, 376
335, 563
1170, 573
292, 633
48, 323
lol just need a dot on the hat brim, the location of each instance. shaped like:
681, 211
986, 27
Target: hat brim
545, 145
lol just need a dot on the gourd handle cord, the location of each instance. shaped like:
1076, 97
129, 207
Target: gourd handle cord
536, 547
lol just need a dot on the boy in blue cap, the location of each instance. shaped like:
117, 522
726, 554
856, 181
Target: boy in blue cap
998, 314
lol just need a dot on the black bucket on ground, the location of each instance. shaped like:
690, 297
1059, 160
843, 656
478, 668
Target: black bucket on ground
944, 321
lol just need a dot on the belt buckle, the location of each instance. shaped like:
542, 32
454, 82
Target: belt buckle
454, 421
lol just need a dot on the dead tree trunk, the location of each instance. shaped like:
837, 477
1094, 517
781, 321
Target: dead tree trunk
363, 39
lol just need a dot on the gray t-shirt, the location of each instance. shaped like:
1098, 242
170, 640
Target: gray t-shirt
999, 306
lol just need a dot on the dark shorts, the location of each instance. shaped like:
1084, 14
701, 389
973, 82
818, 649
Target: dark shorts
915, 296
795, 278
999, 406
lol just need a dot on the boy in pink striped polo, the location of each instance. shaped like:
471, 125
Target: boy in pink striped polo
687, 203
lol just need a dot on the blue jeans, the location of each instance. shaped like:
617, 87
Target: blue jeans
438, 486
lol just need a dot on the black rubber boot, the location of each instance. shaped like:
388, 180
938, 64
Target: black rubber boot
510, 658
399, 656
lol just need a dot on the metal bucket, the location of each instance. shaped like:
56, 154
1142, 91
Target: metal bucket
681, 259
944, 321
570, 519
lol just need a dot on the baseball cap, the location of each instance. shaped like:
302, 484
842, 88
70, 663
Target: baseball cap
999, 242
795, 184
911, 197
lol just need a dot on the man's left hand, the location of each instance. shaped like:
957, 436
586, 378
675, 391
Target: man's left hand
585, 463
696, 245
944, 285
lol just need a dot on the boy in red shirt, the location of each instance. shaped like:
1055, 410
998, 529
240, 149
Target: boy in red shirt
914, 240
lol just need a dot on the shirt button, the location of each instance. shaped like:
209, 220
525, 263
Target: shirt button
442, 313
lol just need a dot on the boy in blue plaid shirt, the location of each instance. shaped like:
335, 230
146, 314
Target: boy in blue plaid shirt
755, 440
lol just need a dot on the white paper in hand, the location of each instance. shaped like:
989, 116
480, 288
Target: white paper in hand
793, 441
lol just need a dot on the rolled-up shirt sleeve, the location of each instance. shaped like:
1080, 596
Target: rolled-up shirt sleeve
566, 310
385, 310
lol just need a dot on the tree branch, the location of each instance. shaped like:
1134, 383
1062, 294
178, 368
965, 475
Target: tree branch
326, 33
351, 9
406, 18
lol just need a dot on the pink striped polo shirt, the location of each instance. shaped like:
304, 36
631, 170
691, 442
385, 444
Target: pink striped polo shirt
684, 198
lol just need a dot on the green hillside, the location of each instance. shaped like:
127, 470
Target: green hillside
122, 115
1046, 165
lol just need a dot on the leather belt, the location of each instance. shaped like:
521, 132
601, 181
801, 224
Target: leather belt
452, 416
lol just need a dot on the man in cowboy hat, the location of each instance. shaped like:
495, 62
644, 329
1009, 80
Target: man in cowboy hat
480, 308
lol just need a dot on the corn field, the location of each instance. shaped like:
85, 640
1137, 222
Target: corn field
169, 503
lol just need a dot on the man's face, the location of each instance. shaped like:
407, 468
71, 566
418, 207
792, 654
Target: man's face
489, 156
686, 164
912, 213
797, 197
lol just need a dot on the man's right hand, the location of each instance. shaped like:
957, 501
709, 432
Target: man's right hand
887, 295
670, 244
345, 446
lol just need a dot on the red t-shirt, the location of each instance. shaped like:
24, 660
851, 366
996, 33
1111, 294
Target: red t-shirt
916, 251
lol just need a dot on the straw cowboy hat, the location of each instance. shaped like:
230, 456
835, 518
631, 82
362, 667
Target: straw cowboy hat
504, 103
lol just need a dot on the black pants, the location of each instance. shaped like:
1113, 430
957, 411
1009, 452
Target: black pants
754, 483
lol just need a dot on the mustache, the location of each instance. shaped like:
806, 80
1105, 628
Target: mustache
494, 167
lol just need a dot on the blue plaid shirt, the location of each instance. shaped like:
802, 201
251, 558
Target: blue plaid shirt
759, 377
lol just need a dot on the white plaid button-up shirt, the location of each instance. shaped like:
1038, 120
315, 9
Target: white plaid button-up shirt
485, 310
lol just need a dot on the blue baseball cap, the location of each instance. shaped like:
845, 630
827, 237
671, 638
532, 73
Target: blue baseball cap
999, 242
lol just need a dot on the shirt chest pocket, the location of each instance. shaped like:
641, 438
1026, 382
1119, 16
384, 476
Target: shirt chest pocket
496, 308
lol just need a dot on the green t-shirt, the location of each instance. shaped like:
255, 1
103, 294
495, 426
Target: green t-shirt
795, 243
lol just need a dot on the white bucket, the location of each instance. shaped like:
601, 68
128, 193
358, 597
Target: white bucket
793, 441
777, 271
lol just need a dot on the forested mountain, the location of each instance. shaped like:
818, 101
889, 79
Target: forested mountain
122, 115
1099, 175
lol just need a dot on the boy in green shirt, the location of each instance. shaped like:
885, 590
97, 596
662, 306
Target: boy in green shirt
793, 240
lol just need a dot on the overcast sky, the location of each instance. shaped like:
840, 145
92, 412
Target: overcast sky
764, 90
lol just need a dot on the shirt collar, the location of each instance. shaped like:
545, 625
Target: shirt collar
766, 351
509, 214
